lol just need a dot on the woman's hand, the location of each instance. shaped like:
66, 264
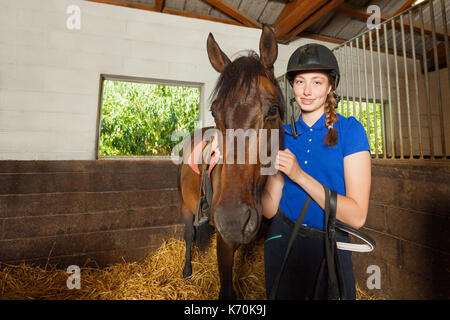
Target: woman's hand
287, 163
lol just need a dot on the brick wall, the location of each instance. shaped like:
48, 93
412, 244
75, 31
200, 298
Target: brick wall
69, 211
409, 220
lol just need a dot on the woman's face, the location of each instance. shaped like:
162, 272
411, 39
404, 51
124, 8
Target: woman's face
311, 89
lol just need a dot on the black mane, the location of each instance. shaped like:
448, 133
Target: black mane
241, 73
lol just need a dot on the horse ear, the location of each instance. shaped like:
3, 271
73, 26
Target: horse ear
268, 48
218, 59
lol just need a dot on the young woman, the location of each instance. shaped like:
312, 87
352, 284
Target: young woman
331, 150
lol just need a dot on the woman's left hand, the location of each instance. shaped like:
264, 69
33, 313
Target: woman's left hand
287, 163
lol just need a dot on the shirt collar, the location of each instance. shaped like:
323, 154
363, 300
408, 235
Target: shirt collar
319, 124
302, 127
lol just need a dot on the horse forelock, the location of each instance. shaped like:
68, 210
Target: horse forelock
240, 76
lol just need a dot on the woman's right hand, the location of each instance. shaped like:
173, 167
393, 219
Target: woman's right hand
271, 194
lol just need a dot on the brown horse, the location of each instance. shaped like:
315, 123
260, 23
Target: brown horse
246, 96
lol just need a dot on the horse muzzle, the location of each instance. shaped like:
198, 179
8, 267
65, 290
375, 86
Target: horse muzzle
237, 224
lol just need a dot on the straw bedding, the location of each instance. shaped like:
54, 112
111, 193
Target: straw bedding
157, 277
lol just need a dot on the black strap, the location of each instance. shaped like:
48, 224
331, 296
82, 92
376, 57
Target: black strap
335, 279
274, 291
205, 200
336, 288
369, 242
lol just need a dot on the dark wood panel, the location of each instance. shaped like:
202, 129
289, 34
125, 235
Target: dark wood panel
76, 244
67, 224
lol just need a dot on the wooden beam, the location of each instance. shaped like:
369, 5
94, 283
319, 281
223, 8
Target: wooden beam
234, 13
314, 36
360, 13
166, 10
300, 10
159, 5
199, 16
285, 12
357, 12
319, 37
405, 6
313, 18
127, 4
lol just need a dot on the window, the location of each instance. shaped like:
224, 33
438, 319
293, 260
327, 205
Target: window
137, 118
358, 109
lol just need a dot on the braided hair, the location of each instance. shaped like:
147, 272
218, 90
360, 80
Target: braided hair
331, 138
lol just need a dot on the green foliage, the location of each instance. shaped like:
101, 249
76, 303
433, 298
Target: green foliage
139, 118
346, 108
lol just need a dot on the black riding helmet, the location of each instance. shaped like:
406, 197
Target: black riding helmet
312, 57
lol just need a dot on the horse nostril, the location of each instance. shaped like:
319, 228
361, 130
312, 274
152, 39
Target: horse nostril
249, 223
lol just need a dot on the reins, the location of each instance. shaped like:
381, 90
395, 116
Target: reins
336, 288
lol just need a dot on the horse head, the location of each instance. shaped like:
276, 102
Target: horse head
247, 103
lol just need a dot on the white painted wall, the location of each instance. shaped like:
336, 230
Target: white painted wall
49, 75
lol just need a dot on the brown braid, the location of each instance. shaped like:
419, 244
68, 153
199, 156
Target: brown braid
331, 138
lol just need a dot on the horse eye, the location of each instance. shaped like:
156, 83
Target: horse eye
213, 114
273, 110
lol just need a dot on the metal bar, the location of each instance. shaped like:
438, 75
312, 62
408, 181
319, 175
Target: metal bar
359, 80
421, 4
367, 87
424, 114
408, 109
447, 49
438, 78
346, 82
338, 57
352, 80
398, 91
388, 71
341, 53
416, 89
375, 129
427, 85
383, 136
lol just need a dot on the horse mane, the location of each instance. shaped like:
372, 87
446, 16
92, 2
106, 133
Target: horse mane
240, 74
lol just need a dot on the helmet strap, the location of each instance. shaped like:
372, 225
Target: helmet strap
337, 98
293, 128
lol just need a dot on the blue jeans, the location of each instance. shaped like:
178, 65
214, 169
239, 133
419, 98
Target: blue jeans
302, 266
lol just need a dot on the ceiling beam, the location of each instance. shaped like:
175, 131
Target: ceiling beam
319, 37
160, 6
200, 16
405, 6
357, 11
314, 36
287, 9
361, 13
294, 13
234, 13
127, 4
330, 6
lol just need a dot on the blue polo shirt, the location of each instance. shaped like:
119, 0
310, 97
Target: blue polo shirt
323, 163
